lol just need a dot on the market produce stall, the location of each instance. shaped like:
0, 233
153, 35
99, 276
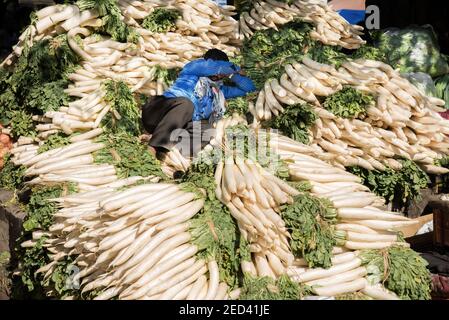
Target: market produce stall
259, 213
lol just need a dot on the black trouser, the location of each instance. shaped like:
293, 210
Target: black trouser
161, 118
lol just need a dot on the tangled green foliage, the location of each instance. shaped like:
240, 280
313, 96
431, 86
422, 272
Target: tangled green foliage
122, 102
49, 97
54, 141
443, 162
128, 156
12, 177
247, 5
237, 105
267, 52
36, 83
368, 52
113, 23
295, 122
22, 124
161, 20
213, 229
396, 186
46, 61
310, 222
40, 216
266, 288
301, 186
167, 76
331, 55
31, 259
9, 106
349, 103
60, 282
40, 210
400, 270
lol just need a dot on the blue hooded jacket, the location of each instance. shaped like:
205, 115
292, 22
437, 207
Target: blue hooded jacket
184, 86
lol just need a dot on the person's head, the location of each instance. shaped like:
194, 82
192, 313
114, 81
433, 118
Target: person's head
217, 55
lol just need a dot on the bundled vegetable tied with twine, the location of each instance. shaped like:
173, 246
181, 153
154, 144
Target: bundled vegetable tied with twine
401, 270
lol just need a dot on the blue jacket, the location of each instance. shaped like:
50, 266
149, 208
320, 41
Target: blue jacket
184, 86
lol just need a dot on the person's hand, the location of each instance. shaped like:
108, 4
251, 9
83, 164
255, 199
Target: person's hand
219, 77
242, 72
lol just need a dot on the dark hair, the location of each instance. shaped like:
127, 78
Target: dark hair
215, 54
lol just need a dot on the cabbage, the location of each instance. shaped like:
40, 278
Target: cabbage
413, 49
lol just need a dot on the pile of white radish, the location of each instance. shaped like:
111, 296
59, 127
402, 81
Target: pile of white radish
133, 244
403, 122
363, 224
213, 24
359, 210
133, 241
330, 27
204, 25
135, 64
72, 163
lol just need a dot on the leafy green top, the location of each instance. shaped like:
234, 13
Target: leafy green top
54, 141
11, 177
400, 270
40, 210
36, 83
295, 122
113, 23
161, 20
269, 289
128, 155
397, 186
349, 103
369, 53
267, 52
309, 221
121, 99
237, 105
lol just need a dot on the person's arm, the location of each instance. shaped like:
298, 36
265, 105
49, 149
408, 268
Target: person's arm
244, 85
207, 68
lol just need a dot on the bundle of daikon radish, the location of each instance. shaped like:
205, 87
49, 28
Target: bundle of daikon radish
403, 122
132, 244
330, 27
252, 195
134, 241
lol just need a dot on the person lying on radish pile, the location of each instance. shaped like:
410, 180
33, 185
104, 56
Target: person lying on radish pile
193, 103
